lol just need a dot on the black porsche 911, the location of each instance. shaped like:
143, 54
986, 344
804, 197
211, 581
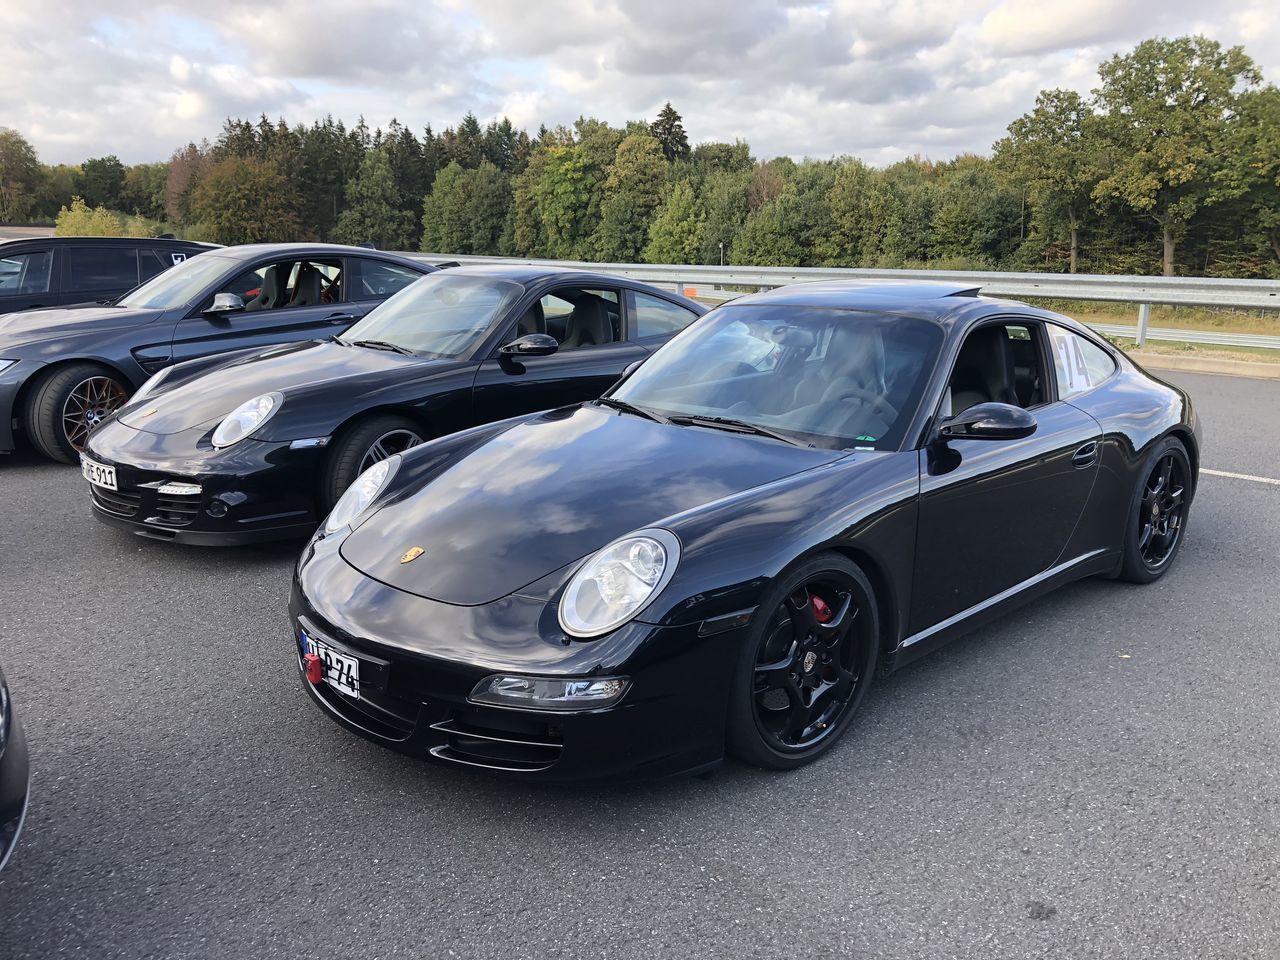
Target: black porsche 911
63, 371
259, 445
716, 555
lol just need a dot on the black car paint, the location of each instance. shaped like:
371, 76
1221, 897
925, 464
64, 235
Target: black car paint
15, 776
915, 519
137, 342
268, 484
61, 293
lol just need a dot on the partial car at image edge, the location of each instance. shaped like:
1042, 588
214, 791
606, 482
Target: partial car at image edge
15, 775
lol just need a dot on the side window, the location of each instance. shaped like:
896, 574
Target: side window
151, 262
1079, 364
99, 268
25, 272
998, 363
577, 317
379, 280
288, 283
654, 317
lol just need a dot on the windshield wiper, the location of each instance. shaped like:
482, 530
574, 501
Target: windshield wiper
381, 345
737, 426
626, 407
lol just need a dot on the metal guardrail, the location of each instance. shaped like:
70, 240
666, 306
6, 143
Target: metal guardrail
713, 283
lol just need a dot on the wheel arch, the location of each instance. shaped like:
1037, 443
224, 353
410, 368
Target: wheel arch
387, 410
1184, 434
881, 586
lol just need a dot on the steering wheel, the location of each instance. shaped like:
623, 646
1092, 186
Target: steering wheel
878, 404
328, 293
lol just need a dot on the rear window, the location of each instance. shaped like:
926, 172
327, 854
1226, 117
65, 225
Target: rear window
99, 268
655, 317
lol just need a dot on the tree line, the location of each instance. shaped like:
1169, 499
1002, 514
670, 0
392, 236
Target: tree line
1171, 165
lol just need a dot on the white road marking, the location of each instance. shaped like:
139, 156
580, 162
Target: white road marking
1240, 476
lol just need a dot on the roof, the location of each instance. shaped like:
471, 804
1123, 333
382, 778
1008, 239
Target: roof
925, 296
108, 241
247, 251
526, 272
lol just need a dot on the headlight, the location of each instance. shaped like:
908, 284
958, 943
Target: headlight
546, 693
246, 418
151, 383
361, 493
618, 582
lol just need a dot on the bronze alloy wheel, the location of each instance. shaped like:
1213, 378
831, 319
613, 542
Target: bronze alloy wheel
90, 402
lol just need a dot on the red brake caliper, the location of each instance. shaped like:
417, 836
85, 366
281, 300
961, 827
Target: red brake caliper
822, 611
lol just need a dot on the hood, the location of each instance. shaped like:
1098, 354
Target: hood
299, 371
35, 326
550, 490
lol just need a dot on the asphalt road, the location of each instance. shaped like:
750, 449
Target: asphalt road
1094, 776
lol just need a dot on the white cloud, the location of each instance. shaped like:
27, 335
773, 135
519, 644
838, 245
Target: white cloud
874, 78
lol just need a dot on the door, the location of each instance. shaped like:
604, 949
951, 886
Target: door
593, 352
994, 513
285, 301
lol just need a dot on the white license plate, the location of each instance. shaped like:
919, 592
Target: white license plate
99, 474
340, 671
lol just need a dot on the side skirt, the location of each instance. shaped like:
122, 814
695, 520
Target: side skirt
966, 621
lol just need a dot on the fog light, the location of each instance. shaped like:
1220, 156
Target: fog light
545, 693
216, 509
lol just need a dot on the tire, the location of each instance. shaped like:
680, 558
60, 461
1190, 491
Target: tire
816, 698
68, 404
352, 449
1157, 518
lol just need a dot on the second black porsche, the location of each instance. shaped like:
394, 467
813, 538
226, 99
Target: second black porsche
718, 553
258, 445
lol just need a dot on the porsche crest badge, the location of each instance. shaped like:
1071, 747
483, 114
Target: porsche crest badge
412, 554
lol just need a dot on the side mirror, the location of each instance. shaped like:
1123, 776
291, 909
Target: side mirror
226, 303
989, 421
531, 345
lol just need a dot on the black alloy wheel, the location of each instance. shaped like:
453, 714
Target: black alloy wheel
812, 658
1158, 518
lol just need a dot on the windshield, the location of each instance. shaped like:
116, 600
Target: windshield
834, 378
178, 286
444, 314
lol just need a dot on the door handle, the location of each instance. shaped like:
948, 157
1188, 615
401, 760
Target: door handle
340, 318
1086, 454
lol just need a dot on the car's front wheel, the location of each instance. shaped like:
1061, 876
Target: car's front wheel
362, 445
809, 659
1158, 515
65, 407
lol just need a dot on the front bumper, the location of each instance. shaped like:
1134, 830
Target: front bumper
11, 380
251, 492
15, 789
414, 699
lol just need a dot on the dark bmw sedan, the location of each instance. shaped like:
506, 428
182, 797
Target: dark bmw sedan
14, 775
260, 444
716, 556
62, 372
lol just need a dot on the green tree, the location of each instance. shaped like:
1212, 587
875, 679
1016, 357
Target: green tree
488, 198
1253, 169
767, 237
1054, 153
632, 192
668, 130
244, 200
724, 198
101, 180
1165, 111
675, 236
375, 212
20, 176
80, 220
848, 200
144, 189
977, 219
445, 226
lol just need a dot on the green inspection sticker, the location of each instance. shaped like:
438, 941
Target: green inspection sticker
867, 439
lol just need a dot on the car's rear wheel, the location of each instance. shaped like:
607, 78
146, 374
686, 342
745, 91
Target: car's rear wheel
1158, 516
65, 407
809, 658
362, 445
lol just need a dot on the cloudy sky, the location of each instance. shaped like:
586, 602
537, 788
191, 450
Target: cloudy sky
875, 78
